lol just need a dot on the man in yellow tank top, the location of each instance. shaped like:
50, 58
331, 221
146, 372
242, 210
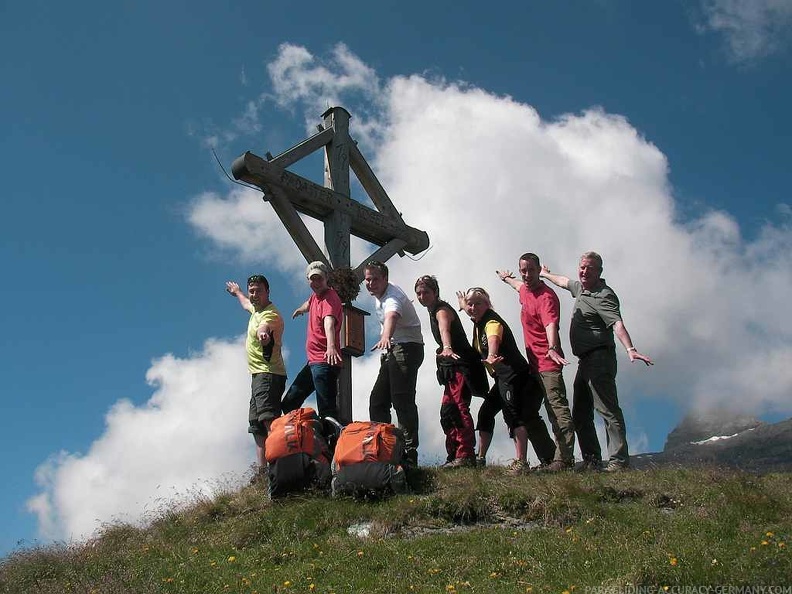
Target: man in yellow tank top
263, 342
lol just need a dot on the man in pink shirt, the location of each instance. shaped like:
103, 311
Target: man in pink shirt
540, 316
322, 346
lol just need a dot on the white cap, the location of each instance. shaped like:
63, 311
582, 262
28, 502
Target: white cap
316, 268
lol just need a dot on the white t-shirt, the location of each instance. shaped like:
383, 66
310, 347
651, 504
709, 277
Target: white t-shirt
408, 324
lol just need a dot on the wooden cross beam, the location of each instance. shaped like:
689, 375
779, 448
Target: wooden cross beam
291, 194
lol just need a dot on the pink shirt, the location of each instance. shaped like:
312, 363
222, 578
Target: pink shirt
319, 307
540, 307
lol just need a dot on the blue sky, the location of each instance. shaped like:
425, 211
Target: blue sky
655, 133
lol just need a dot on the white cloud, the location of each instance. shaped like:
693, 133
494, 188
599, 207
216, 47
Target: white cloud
754, 29
240, 222
190, 433
488, 179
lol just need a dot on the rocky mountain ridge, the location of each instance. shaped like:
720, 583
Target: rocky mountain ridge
725, 440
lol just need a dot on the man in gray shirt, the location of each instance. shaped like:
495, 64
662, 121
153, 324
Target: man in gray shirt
595, 319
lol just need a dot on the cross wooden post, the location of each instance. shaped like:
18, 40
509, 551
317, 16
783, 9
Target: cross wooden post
290, 194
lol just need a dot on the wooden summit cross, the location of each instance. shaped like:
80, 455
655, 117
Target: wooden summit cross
291, 194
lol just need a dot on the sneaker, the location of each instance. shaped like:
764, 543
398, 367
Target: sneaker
614, 466
556, 466
518, 467
460, 463
590, 465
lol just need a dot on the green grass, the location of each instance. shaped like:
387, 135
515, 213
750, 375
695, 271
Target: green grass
460, 531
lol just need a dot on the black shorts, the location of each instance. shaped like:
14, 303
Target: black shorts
266, 390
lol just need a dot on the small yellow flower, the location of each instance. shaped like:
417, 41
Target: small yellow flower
194, 550
781, 545
665, 588
494, 574
753, 548
673, 561
245, 581
360, 553
569, 530
565, 592
769, 534
312, 587
450, 588
287, 583
231, 559
213, 563
765, 543
714, 562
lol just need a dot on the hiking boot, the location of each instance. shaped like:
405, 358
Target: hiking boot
518, 467
590, 465
410, 458
614, 466
556, 466
469, 462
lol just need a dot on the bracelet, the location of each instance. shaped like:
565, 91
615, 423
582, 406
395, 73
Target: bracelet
553, 348
446, 346
631, 349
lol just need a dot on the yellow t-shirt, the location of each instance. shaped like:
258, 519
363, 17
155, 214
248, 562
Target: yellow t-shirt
265, 359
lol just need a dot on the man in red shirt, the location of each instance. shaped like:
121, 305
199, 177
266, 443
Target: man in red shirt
540, 316
322, 346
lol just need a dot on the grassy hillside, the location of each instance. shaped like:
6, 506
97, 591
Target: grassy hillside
459, 531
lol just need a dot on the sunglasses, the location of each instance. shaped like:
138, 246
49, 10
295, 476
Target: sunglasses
258, 279
376, 264
477, 290
427, 281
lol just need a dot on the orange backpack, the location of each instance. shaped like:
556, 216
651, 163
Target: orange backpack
368, 460
367, 441
296, 432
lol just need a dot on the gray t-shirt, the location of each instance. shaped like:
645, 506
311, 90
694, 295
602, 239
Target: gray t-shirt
408, 325
593, 317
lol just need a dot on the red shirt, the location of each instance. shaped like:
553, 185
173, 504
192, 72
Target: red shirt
540, 307
319, 307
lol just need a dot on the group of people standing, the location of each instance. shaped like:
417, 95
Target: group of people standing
522, 379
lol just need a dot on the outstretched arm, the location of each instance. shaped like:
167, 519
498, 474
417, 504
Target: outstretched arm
332, 356
624, 337
507, 276
557, 279
493, 346
388, 327
233, 289
461, 300
444, 325
300, 310
554, 352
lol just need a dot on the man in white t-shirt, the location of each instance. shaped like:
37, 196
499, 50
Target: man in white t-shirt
402, 343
